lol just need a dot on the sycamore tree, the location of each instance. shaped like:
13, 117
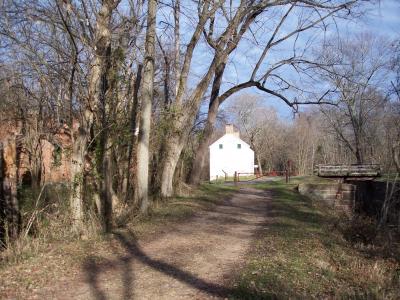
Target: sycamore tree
275, 43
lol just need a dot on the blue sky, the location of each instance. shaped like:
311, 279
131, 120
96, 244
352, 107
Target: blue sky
381, 19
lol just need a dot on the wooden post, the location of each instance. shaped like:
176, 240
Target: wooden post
235, 177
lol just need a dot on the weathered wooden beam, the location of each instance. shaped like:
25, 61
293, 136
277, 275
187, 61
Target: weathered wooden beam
367, 170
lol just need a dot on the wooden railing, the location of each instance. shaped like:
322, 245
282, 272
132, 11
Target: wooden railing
364, 170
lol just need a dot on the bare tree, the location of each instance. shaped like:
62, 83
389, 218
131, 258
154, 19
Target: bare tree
145, 117
356, 73
264, 74
395, 111
184, 113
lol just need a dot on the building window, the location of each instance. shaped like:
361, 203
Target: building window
221, 146
239, 146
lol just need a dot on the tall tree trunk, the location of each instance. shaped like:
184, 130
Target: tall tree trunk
179, 132
228, 41
145, 117
358, 150
230, 44
167, 70
79, 135
256, 151
177, 11
97, 93
172, 154
132, 137
105, 112
2, 199
79, 138
101, 88
259, 163
202, 150
8, 198
179, 127
106, 189
166, 81
312, 159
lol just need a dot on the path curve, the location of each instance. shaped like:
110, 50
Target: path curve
195, 259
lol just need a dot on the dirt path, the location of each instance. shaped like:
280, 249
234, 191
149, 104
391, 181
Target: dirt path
191, 260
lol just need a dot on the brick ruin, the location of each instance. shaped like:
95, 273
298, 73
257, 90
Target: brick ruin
52, 156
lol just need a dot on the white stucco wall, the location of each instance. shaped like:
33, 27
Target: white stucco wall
230, 158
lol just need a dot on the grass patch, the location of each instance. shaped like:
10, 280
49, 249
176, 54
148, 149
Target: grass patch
302, 253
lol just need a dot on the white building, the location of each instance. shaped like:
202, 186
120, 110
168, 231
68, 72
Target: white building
230, 154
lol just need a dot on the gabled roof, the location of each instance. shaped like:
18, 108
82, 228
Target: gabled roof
234, 137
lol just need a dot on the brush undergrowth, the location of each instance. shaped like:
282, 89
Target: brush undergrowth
46, 219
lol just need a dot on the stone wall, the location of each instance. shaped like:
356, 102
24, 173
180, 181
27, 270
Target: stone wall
370, 197
337, 195
365, 197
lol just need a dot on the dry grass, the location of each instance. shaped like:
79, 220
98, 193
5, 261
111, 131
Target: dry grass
304, 253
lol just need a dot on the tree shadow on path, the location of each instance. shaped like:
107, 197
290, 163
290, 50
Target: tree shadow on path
93, 269
229, 214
